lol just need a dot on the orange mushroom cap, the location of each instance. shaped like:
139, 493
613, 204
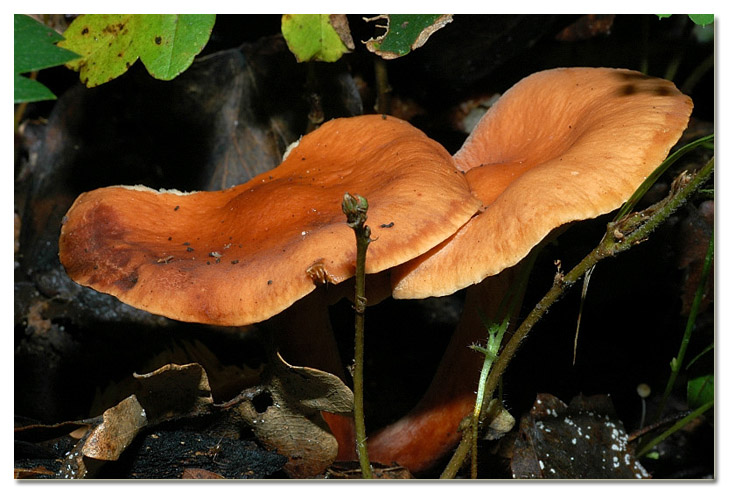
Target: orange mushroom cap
561, 145
244, 254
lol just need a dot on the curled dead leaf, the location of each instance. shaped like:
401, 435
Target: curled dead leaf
174, 390
120, 425
284, 412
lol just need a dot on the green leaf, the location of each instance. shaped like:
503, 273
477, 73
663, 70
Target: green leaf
111, 43
702, 19
405, 32
35, 49
27, 90
318, 37
167, 44
700, 390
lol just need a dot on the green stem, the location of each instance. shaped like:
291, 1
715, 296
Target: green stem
356, 208
490, 354
621, 236
676, 363
677, 426
494, 342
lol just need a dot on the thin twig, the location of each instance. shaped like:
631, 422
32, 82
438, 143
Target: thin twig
356, 208
382, 103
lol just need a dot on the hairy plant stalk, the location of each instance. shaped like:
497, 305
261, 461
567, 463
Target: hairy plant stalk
494, 342
490, 354
356, 208
621, 235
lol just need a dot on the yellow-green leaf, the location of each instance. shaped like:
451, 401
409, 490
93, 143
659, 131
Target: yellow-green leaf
105, 43
319, 37
111, 43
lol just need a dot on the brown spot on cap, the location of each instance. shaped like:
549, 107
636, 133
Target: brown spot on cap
407, 178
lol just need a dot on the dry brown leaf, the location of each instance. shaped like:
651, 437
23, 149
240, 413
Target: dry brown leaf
582, 440
200, 474
32, 473
284, 413
119, 427
501, 421
169, 392
174, 390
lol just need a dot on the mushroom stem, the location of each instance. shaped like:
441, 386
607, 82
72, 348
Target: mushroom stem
419, 439
305, 337
356, 208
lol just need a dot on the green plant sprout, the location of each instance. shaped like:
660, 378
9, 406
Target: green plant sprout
675, 427
676, 362
494, 341
621, 234
490, 351
355, 207
700, 390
